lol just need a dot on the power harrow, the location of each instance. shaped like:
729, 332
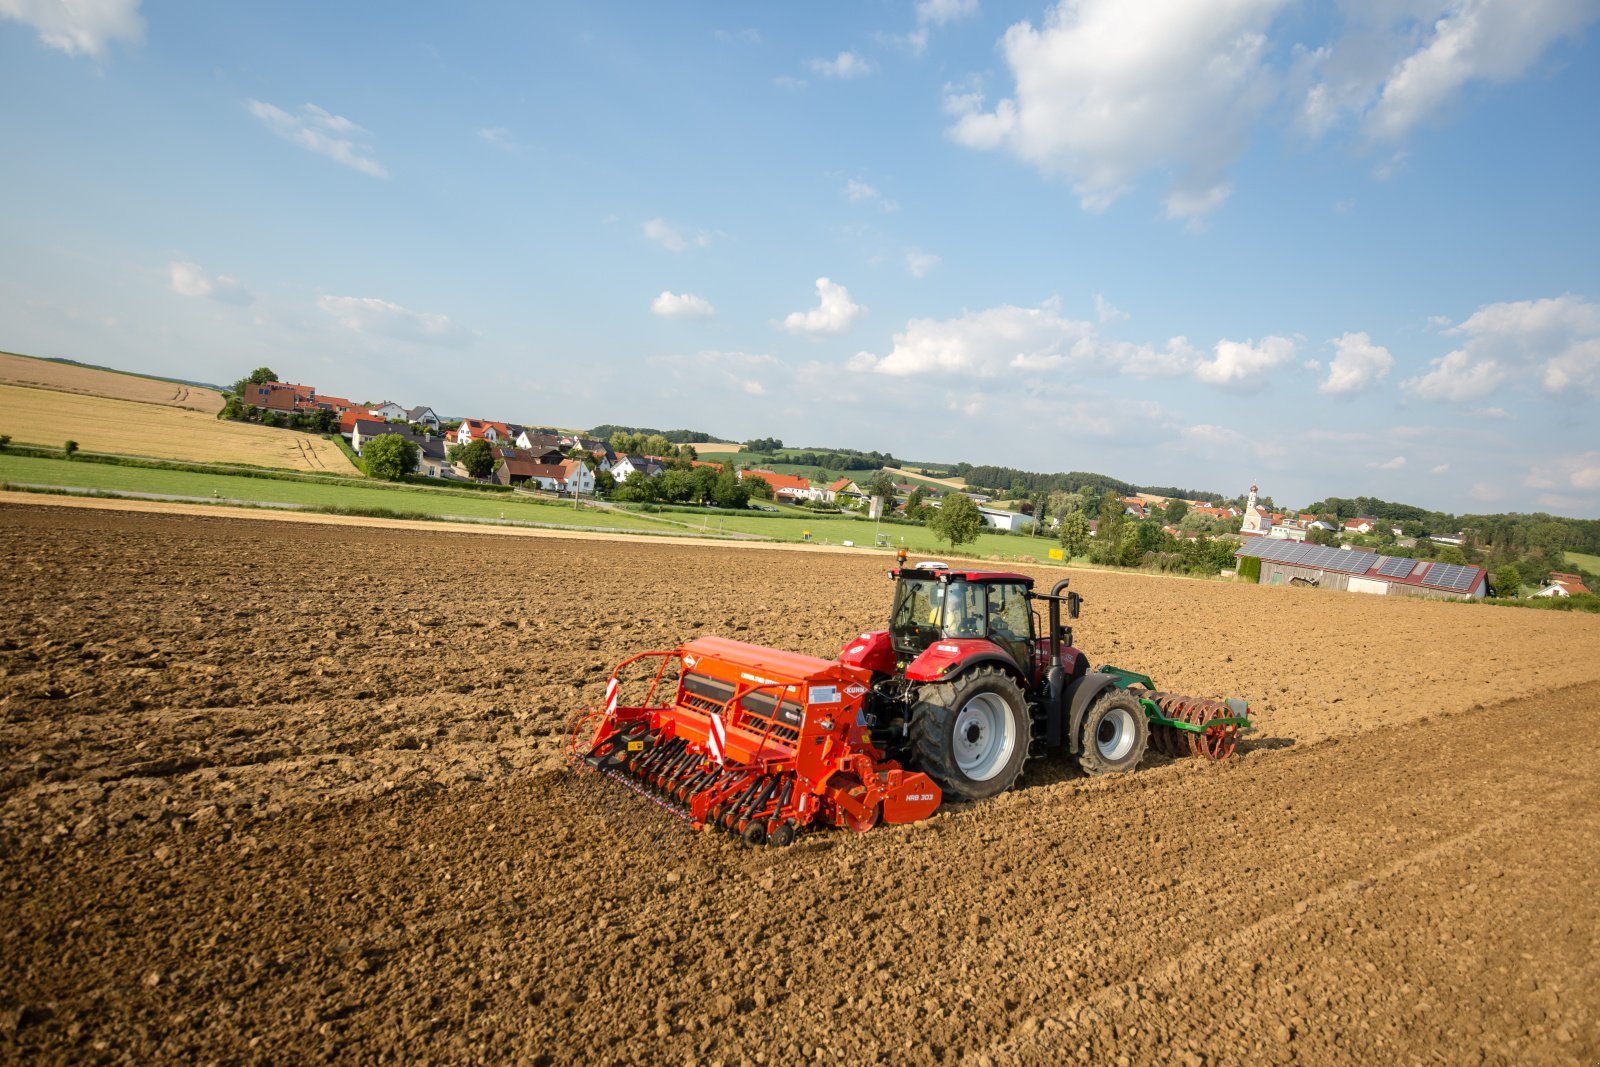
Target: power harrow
754, 741
965, 685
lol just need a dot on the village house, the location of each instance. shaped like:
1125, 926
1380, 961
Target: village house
786, 486
647, 466
1563, 585
1360, 524
423, 415
1010, 521
844, 487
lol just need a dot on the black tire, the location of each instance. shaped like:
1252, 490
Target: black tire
1115, 734
971, 735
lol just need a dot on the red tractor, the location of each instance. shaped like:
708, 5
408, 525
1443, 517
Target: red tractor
967, 685
950, 701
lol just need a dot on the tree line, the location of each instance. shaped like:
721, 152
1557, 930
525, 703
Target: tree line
605, 431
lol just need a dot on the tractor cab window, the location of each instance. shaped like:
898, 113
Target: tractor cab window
964, 610
918, 603
1011, 620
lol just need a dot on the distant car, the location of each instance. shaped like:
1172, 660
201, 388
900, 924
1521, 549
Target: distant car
762, 507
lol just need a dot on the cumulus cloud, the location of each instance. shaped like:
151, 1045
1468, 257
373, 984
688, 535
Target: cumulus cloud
671, 305
1442, 468
834, 314
673, 239
1579, 472
1106, 91
380, 318
859, 192
844, 66
191, 279
1244, 366
1555, 341
326, 134
1357, 366
1106, 312
932, 14
79, 27
1389, 464
1008, 339
919, 263
1397, 65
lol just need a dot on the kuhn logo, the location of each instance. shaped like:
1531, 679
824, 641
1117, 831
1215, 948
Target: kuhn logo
948, 648
855, 689
856, 650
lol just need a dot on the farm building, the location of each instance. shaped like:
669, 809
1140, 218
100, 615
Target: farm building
1283, 562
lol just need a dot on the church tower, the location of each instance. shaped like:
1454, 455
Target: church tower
1256, 519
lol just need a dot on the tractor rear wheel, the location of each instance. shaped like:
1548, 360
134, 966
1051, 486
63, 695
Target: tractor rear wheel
1115, 733
971, 734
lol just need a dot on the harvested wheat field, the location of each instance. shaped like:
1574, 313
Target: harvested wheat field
92, 381
162, 431
280, 792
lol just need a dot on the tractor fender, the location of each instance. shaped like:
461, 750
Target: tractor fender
1081, 692
945, 659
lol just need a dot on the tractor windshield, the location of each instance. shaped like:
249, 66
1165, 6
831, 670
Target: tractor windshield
918, 602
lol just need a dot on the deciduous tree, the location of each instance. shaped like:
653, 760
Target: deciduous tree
958, 520
390, 457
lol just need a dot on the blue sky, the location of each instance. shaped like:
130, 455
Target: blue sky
1336, 249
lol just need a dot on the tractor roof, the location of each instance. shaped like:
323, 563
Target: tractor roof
964, 576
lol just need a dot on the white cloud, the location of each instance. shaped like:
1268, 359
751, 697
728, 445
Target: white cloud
1498, 414
326, 134
191, 279
1555, 341
500, 137
1008, 340
1579, 472
380, 318
859, 192
1107, 312
1400, 64
940, 12
1389, 464
1108, 90
1357, 365
671, 305
919, 263
983, 344
845, 66
672, 239
834, 314
1442, 468
79, 27
790, 82
1244, 366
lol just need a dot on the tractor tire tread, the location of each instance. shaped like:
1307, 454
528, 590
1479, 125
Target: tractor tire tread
931, 726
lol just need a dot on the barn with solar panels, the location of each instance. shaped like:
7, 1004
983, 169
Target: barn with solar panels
1358, 571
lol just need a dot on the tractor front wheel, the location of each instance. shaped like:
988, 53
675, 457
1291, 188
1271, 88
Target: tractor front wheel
971, 734
1115, 733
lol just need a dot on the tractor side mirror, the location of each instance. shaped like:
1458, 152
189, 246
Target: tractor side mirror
1074, 602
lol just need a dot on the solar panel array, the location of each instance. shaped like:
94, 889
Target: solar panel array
1451, 576
1319, 557
1396, 566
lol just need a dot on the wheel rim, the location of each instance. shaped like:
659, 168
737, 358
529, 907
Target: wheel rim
1114, 737
984, 737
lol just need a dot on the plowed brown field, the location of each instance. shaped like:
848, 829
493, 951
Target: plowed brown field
278, 792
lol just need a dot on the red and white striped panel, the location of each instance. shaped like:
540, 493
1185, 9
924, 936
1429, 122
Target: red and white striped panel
611, 695
717, 738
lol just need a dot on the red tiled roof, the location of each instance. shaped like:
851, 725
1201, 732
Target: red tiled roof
780, 482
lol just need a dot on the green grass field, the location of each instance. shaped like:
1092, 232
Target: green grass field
1585, 561
788, 524
30, 470
791, 524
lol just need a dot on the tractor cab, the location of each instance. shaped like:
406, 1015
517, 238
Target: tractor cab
931, 606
